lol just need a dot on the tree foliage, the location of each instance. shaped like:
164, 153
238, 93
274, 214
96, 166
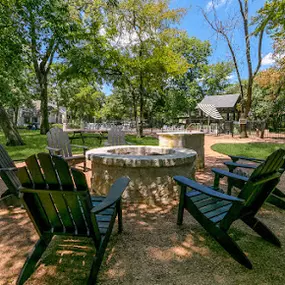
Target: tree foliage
143, 35
216, 77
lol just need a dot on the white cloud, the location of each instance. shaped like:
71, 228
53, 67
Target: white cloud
215, 4
230, 77
268, 59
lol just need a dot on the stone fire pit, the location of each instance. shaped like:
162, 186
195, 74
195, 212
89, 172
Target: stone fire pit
150, 169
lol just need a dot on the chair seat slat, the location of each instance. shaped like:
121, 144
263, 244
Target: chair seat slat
213, 206
199, 197
218, 211
103, 218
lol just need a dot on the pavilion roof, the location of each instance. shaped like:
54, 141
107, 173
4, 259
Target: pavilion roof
222, 101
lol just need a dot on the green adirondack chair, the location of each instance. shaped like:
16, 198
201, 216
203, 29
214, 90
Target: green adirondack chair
277, 197
9, 186
58, 202
216, 211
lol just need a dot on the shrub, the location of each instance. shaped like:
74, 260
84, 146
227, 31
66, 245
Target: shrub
56, 125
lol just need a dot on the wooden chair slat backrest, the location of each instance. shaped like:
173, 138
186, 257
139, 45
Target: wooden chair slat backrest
63, 172
60, 210
35, 172
10, 178
57, 138
259, 186
5, 160
49, 172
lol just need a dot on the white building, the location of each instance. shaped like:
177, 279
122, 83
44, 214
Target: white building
32, 116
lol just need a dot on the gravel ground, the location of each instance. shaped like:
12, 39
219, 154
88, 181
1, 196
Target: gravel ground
152, 249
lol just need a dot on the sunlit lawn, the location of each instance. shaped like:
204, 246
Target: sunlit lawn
36, 143
258, 150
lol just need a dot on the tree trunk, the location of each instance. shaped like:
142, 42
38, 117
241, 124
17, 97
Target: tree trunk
135, 111
140, 130
44, 107
11, 133
57, 113
16, 114
243, 130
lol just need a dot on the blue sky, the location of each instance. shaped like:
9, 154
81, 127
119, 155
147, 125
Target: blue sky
196, 26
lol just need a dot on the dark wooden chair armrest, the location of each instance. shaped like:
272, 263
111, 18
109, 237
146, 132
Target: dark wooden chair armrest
233, 165
114, 195
9, 169
235, 158
223, 173
18, 160
80, 146
53, 149
205, 189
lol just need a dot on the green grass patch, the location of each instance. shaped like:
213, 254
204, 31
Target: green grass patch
258, 150
35, 143
141, 141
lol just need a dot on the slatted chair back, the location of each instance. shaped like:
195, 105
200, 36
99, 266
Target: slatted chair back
116, 136
57, 198
9, 177
257, 189
59, 139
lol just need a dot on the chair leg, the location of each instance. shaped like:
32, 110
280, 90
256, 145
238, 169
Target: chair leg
120, 216
94, 270
230, 181
31, 262
181, 205
278, 193
96, 264
262, 230
232, 248
276, 201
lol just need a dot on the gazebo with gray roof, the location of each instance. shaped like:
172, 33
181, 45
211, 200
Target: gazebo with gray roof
225, 104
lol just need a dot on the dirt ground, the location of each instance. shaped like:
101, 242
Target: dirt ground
152, 249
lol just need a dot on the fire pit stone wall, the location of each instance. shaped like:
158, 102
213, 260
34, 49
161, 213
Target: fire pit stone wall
150, 169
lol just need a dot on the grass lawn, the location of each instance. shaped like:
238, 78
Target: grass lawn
258, 150
36, 143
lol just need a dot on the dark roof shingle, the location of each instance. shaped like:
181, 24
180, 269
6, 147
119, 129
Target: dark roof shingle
222, 101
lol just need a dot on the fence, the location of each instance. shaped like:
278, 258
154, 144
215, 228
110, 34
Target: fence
254, 128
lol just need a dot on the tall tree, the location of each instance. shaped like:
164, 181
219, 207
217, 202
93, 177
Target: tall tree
225, 29
48, 29
11, 67
143, 37
269, 96
185, 91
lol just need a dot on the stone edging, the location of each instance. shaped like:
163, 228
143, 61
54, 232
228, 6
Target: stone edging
170, 157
